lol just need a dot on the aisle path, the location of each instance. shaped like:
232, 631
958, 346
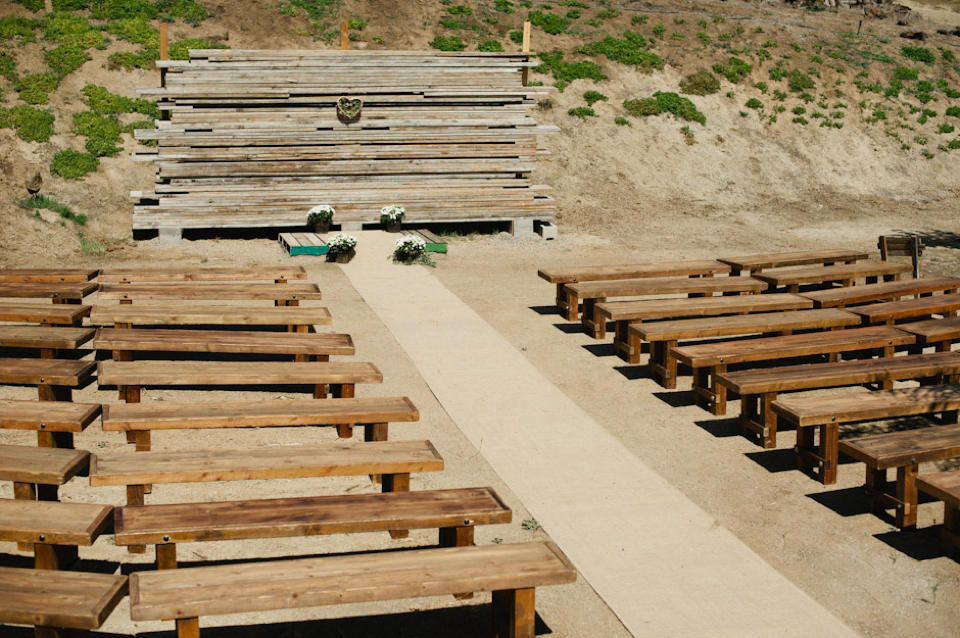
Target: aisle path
661, 563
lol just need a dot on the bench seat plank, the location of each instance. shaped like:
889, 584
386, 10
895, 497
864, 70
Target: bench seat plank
54, 314
43, 465
56, 291
938, 332
44, 337
757, 263
265, 462
274, 412
210, 315
53, 522
307, 516
223, 341
890, 311
208, 273
209, 291
945, 486
846, 273
59, 372
75, 600
48, 275
58, 416
886, 291
328, 580
221, 373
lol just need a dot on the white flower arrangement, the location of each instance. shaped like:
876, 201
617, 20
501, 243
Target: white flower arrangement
321, 213
341, 243
392, 213
409, 248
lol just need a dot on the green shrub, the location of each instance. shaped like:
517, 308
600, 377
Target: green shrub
102, 133
66, 58
798, 110
951, 93
123, 9
705, 39
592, 97
631, 51
191, 12
567, 72
48, 203
702, 82
924, 97
32, 5
71, 5
762, 86
460, 10
8, 65
734, 70
504, 6
905, 73
31, 124
754, 103
894, 89
664, 102
621, 121
453, 23
574, 3
23, 28
659, 30
35, 88
607, 14
573, 14
953, 110
144, 59
946, 128
925, 85
918, 54
583, 112
135, 31
73, 164
452, 43
797, 81
638, 21
516, 36
550, 22
356, 24
67, 28
106, 103
800, 120
490, 46
954, 144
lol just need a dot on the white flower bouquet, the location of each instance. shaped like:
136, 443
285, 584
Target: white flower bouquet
341, 243
392, 213
321, 213
409, 248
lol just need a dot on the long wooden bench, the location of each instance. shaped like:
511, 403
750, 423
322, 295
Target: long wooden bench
939, 333
710, 359
36, 472
886, 291
625, 313
298, 318
946, 487
454, 513
758, 388
303, 346
275, 273
54, 378
664, 335
904, 451
55, 423
281, 294
594, 292
394, 460
71, 293
48, 275
54, 529
890, 311
790, 280
758, 263
48, 339
53, 600
511, 571
821, 417
47, 314
375, 414
575, 274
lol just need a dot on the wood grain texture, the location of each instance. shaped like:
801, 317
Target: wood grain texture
53, 522
44, 465
155, 315
219, 373
942, 485
70, 291
209, 291
910, 447
59, 372
223, 341
207, 273
886, 291
749, 263
699, 306
673, 330
842, 272
59, 416
890, 311
44, 337
76, 600
574, 274
663, 286
48, 275
807, 411
55, 314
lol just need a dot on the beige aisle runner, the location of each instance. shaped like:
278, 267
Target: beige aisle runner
664, 566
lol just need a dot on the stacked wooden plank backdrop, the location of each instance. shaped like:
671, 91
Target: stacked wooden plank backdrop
254, 139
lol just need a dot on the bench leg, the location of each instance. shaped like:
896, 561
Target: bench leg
166, 555
59, 632
54, 557
457, 537
54, 393
63, 440
719, 406
876, 485
757, 417
135, 499
907, 495
573, 306
951, 530
513, 613
561, 300
24, 492
702, 395
396, 483
588, 319
344, 391
662, 365
829, 442
375, 432
188, 628
804, 448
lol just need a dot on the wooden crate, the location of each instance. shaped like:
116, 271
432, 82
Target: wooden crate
303, 244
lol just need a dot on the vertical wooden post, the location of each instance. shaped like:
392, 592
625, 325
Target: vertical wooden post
526, 49
164, 53
344, 36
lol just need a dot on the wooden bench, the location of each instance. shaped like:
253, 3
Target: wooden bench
890, 311
375, 414
71, 293
52, 314
757, 263
625, 313
36, 472
790, 280
946, 487
48, 339
48, 275
823, 415
511, 571
55, 423
911, 246
51, 600
54, 529
594, 292
940, 333
394, 460
710, 359
284, 294
886, 291
454, 512
54, 378
575, 274
758, 388
297, 318
904, 451
277, 274
304, 346
664, 335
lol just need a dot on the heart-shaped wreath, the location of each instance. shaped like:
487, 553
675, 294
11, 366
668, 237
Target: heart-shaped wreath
349, 108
